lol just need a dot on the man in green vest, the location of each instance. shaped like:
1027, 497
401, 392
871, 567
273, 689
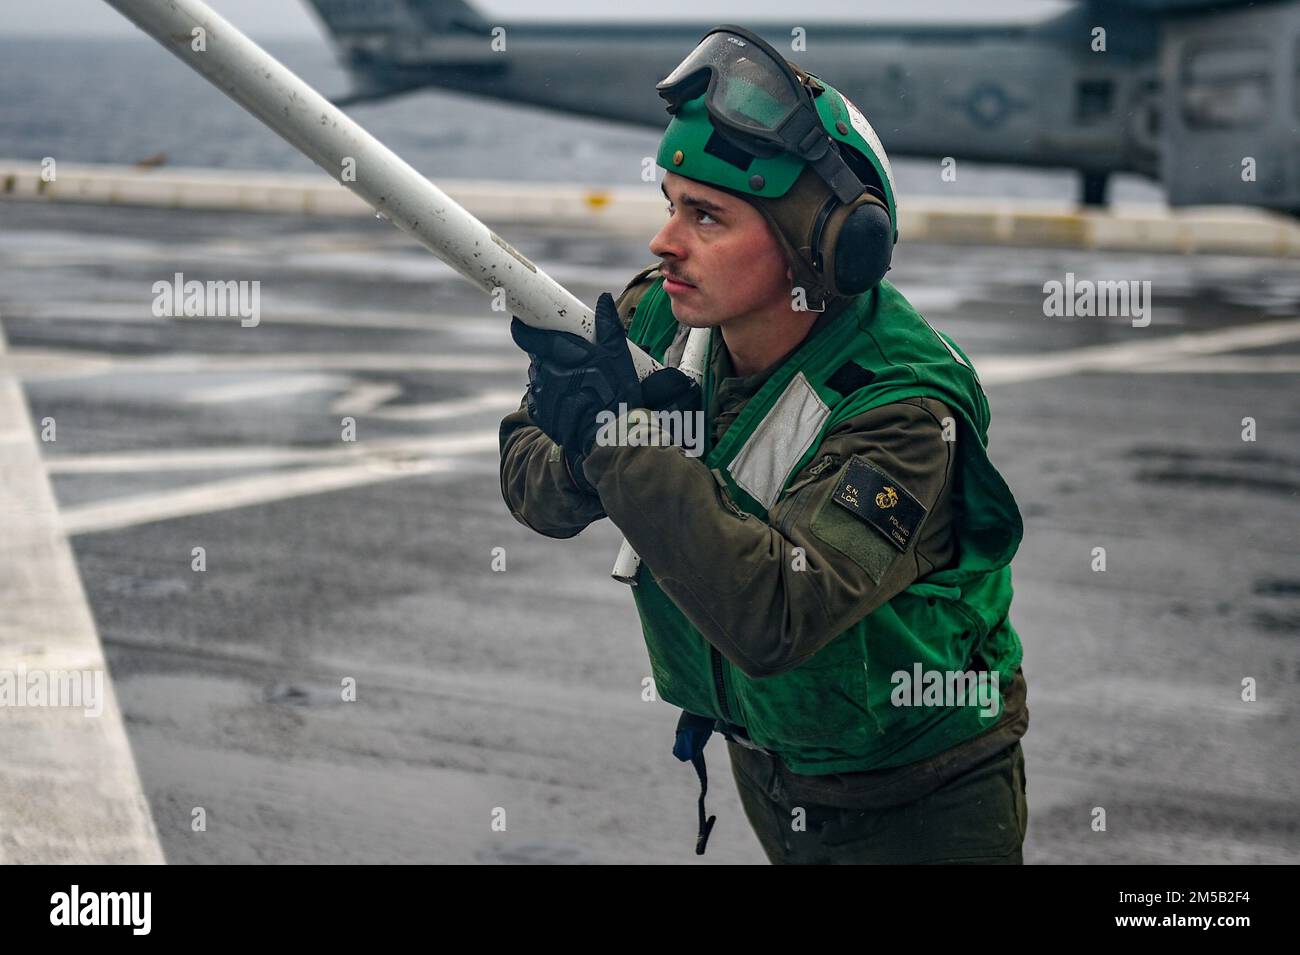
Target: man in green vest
825, 578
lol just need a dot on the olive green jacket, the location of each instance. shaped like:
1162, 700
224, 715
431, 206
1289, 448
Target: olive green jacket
733, 576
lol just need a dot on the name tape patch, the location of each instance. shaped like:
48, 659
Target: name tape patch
878, 499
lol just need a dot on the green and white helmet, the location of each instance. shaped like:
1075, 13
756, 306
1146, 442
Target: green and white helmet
746, 120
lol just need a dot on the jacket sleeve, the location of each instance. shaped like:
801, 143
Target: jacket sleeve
766, 606
535, 479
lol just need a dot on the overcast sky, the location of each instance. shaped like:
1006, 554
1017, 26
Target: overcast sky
263, 19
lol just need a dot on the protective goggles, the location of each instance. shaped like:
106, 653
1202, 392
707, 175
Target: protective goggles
757, 101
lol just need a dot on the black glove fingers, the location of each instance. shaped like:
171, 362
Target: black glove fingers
525, 336
609, 327
563, 348
670, 389
570, 350
662, 386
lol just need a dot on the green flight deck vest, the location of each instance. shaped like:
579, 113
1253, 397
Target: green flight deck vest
833, 713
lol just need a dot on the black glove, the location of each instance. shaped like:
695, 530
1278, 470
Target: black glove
669, 389
572, 380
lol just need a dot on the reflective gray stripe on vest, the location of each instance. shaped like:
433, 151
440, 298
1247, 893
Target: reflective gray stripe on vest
785, 434
952, 351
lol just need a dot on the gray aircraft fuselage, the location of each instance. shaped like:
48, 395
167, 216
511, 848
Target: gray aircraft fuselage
1205, 101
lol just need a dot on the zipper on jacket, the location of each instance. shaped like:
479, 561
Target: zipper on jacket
816, 472
725, 494
719, 682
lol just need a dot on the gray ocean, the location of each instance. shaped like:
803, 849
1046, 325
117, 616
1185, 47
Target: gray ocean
122, 100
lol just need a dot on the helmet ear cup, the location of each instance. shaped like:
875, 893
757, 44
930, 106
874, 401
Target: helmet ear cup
862, 248
833, 249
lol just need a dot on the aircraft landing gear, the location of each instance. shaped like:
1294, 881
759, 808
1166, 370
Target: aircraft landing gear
1092, 188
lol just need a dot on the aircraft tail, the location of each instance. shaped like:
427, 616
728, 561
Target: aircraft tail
449, 15
350, 20
376, 40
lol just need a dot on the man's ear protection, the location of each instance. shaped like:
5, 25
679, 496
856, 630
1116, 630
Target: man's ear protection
834, 249
852, 245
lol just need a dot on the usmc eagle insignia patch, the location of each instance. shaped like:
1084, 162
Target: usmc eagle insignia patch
896, 513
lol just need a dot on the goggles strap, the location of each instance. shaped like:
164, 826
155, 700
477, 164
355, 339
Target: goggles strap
835, 172
807, 139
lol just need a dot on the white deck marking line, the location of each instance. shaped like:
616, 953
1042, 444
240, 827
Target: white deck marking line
43, 364
37, 364
206, 498
1130, 356
69, 788
1230, 365
76, 311
265, 388
440, 410
195, 459
364, 397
